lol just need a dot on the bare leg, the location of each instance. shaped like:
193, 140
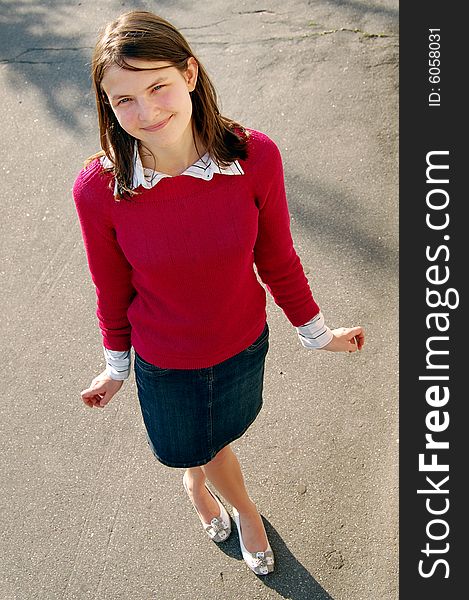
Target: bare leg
205, 503
225, 474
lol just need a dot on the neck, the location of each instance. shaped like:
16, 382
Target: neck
172, 160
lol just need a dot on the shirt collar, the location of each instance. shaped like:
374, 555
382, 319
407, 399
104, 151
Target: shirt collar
203, 168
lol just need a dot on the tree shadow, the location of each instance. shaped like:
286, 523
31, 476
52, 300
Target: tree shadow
36, 53
364, 6
43, 54
332, 216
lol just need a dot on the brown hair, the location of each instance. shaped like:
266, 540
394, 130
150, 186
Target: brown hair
144, 35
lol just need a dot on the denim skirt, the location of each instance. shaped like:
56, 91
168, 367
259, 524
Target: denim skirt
191, 414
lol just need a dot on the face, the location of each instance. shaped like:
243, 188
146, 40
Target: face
153, 105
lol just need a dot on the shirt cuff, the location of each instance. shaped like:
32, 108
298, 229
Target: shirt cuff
117, 364
315, 334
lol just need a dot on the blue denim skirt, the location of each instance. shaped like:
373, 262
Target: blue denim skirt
191, 414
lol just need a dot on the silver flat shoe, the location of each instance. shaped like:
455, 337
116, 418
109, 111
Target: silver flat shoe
261, 563
219, 527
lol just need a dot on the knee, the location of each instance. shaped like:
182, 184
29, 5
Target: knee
220, 457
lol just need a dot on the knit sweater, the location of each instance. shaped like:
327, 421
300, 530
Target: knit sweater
175, 267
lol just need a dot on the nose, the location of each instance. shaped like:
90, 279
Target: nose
148, 110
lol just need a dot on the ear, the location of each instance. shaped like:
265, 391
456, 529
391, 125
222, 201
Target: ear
191, 73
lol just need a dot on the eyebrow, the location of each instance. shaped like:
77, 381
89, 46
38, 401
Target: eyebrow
159, 80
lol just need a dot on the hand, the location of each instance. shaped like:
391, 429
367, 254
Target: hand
101, 390
346, 339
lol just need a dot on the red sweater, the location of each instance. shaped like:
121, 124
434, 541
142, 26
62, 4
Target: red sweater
174, 266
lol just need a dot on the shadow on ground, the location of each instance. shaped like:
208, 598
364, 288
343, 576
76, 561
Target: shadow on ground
290, 579
38, 50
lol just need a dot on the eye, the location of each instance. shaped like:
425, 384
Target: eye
157, 88
123, 101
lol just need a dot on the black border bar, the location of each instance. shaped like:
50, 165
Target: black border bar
434, 267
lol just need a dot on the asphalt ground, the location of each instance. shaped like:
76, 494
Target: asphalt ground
86, 510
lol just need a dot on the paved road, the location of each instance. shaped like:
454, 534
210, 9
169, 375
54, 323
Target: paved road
86, 510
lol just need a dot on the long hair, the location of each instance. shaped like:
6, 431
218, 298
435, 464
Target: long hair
146, 36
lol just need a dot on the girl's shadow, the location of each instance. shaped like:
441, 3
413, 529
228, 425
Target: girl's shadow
289, 579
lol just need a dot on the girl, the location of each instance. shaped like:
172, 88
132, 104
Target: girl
175, 212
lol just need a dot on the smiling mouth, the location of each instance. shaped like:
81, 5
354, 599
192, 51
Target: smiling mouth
158, 126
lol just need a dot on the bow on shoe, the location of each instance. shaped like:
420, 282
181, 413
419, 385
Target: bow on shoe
262, 561
217, 529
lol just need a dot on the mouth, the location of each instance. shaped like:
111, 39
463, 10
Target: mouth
158, 126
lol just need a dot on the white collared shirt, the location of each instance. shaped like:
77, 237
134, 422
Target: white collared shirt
203, 168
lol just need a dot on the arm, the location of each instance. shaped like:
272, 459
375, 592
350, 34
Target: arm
277, 262
110, 271
280, 268
111, 275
